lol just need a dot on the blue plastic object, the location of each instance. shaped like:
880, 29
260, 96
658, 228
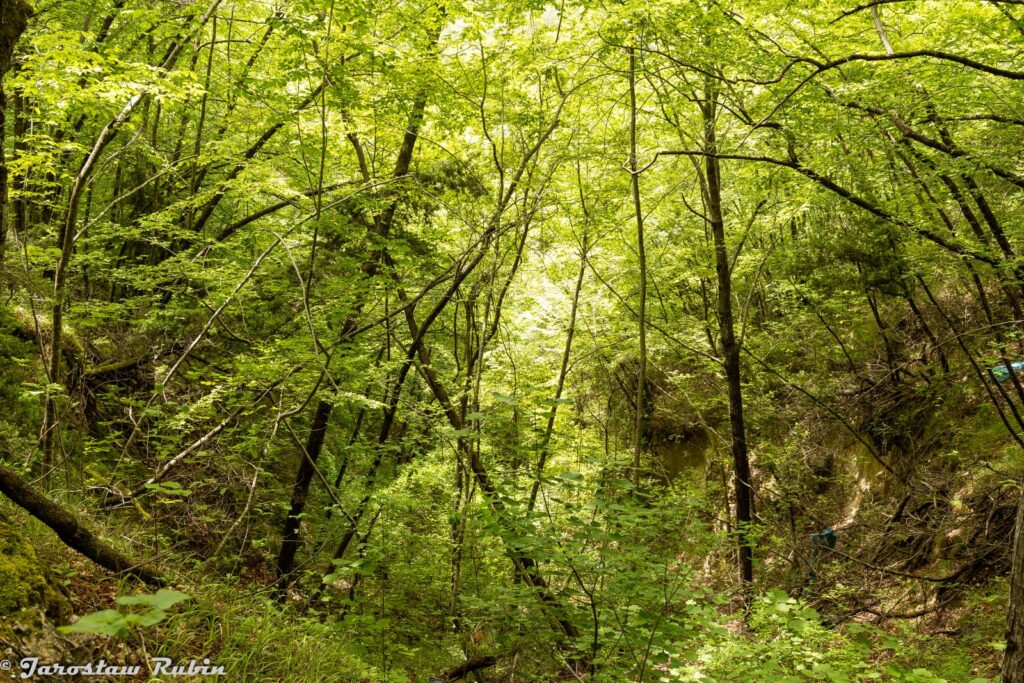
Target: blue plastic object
1002, 374
824, 539
821, 540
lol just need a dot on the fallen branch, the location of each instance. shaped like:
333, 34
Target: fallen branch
116, 366
870, 609
467, 667
72, 532
162, 471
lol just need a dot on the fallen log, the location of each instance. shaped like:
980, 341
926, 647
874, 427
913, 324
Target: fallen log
467, 667
72, 532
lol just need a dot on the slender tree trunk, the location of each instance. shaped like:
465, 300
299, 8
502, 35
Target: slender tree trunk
474, 360
730, 347
369, 268
641, 379
314, 444
457, 536
525, 567
464, 485
892, 355
4, 213
563, 371
416, 349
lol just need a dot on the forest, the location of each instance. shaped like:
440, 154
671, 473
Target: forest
420, 341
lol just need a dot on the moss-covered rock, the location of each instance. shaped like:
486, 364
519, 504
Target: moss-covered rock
31, 604
23, 580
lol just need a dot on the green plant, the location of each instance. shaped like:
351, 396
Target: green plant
149, 610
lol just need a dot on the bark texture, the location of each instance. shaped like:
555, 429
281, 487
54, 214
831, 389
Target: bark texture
71, 531
1013, 656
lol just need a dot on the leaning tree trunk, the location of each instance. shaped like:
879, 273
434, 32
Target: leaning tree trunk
291, 535
74, 533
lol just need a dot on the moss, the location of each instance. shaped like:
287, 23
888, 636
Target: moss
24, 582
31, 604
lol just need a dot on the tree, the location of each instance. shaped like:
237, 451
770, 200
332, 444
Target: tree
428, 337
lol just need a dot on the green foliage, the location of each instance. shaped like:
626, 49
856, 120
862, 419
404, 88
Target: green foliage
255, 640
410, 224
149, 610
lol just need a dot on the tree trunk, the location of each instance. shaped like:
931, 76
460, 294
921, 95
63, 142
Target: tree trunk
13, 20
369, 267
641, 379
563, 371
74, 534
467, 667
311, 452
727, 335
1013, 656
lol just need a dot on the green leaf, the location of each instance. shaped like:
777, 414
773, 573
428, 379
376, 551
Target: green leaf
106, 622
151, 618
502, 398
161, 600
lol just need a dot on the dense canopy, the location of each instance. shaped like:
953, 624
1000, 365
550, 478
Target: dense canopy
514, 341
